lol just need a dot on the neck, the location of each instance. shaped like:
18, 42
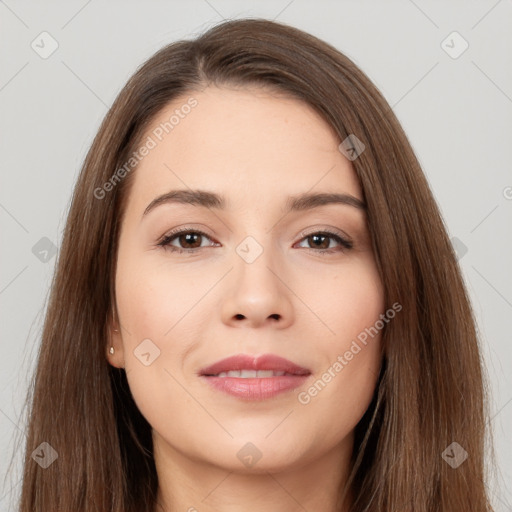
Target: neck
188, 485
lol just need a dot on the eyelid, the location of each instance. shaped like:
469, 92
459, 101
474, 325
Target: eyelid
345, 242
179, 231
328, 230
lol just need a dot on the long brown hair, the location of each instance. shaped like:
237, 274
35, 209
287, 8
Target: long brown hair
431, 390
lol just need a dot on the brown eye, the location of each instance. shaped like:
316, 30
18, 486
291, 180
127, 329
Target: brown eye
188, 240
321, 240
191, 241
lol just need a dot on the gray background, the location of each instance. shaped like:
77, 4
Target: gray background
456, 112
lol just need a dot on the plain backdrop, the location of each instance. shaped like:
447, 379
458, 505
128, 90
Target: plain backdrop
451, 92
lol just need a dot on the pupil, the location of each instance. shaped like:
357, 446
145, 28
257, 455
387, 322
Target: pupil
316, 237
188, 237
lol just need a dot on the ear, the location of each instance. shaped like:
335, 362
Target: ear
115, 341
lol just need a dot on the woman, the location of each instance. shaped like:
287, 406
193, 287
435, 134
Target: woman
256, 305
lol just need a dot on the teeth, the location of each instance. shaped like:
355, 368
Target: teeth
252, 374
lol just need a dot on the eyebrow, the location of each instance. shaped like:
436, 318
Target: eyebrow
298, 202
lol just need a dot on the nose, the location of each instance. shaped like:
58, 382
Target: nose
257, 294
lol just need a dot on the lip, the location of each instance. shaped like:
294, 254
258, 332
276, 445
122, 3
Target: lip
258, 388
251, 362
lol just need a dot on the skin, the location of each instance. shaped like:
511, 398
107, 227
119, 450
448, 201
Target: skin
256, 148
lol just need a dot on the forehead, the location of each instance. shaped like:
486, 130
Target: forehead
244, 143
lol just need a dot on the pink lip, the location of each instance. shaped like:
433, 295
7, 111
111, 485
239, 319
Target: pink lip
257, 388
249, 362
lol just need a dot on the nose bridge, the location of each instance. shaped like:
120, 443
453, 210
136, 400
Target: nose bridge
255, 259
254, 228
260, 258
257, 292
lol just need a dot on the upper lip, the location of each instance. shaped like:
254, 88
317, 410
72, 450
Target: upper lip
252, 362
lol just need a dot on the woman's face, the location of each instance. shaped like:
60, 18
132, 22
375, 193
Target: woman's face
260, 278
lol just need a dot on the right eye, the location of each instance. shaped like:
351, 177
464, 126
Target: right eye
183, 236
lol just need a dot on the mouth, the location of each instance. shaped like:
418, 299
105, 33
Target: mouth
251, 374
254, 377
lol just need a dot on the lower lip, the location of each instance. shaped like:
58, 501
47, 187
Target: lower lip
256, 388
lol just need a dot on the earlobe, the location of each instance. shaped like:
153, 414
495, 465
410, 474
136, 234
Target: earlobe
114, 354
112, 350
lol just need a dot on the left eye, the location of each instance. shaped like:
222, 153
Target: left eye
193, 238
319, 239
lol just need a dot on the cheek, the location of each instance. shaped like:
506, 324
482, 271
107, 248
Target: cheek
153, 297
347, 298
351, 307
151, 304
159, 302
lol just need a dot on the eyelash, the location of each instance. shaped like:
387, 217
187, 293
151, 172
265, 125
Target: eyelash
165, 241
